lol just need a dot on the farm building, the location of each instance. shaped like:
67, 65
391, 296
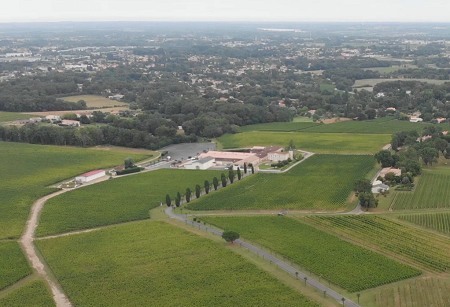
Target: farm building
70, 123
89, 176
386, 170
278, 156
229, 157
202, 164
415, 120
378, 187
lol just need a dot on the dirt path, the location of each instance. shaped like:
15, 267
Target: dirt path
27, 243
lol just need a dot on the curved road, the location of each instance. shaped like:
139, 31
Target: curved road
277, 261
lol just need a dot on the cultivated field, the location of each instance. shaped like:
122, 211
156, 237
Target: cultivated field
33, 294
342, 143
436, 221
427, 291
156, 264
13, 265
368, 84
118, 200
432, 191
320, 182
95, 101
279, 126
343, 264
421, 247
12, 116
28, 169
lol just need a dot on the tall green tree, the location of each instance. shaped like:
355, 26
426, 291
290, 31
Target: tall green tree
168, 200
245, 168
252, 168
429, 155
230, 236
198, 191
238, 172
231, 174
207, 186
224, 180
188, 195
215, 183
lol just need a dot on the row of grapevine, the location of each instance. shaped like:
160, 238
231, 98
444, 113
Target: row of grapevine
424, 248
435, 221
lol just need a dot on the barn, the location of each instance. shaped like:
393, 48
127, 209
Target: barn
89, 176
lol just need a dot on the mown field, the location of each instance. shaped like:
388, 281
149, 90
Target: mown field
28, 169
346, 265
339, 143
427, 291
279, 126
33, 294
421, 247
11, 116
432, 191
118, 200
320, 182
156, 264
94, 101
436, 221
13, 265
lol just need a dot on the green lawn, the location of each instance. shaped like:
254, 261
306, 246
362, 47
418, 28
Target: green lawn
320, 182
279, 126
11, 116
118, 200
13, 265
33, 294
346, 265
340, 143
95, 101
432, 191
156, 264
27, 170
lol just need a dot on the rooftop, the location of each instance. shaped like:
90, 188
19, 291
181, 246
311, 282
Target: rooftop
91, 173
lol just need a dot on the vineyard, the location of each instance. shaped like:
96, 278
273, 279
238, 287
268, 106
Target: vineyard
432, 191
346, 265
420, 247
33, 294
115, 201
329, 143
156, 264
13, 265
277, 126
436, 221
11, 116
320, 182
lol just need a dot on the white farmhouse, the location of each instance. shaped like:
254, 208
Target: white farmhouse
277, 156
202, 164
89, 176
378, 187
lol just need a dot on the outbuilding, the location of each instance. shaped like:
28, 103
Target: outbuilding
202, 164
89, 176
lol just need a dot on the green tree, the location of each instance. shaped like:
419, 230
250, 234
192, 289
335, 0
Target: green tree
207, 186
198, 191
386, 158
230, 236
440, 144
168, 200
188, 195
367, 200
129, 163
238, 172
252, 168
231, 174
178, 199
429, 155
245, 168
362, 185
215, 183
224, 180
291, 145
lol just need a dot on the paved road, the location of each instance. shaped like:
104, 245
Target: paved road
277, 261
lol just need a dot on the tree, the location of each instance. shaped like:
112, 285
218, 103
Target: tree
291, 145
129, 163
215, 183
367, 200
178, 199
168, 200
230, 236
224, 180
385, 158
188, 195
440, 144
231, 174
239, 175
252, 168
362, 185
429, 155
207, 186
245, 168
198, 191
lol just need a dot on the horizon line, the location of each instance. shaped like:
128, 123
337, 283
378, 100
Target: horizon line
226, 21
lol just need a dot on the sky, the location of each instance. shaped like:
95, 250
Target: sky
225, 10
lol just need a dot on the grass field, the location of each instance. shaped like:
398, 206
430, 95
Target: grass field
279, 126
33, 294
343, 264
118, 200
432, 191
95, 101
320, 182
11, 116
330, 143
27, 170
372, 82
156, 264
436, 221
384, 125
421, 247
426, 291
13, 265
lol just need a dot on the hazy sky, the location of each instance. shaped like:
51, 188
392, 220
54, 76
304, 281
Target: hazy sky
226, 10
